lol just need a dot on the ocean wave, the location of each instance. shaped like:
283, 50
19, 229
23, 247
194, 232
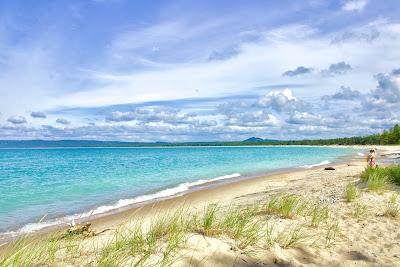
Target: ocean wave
360, 154
315, 165
169, 192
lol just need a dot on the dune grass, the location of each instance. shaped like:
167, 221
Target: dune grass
378, 182
158, 242
394, 173
390, 173
359, 210
333, 233
286, 206
318, 214
377, 179
351, 192
242, 226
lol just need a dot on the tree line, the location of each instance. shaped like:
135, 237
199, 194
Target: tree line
388, 137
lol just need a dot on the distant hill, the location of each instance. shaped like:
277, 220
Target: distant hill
253, 140
259, 140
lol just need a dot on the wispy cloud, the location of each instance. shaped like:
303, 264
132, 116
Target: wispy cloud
354, 5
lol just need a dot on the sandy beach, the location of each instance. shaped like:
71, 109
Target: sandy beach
351, 234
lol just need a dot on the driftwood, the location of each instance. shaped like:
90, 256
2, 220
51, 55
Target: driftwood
79, 229
329, 169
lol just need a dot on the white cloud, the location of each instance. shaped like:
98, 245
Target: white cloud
281, 101
355, 5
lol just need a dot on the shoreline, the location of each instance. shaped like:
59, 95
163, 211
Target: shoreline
61, 223
57, 224
119, 214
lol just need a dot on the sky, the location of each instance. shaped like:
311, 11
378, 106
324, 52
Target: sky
198, 70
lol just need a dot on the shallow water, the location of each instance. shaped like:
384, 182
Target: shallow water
67, 181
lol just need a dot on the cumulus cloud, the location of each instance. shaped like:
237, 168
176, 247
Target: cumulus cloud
280, 101
63, 121
388, 87
298, 71
345, 93
38, 114
17, 120
337, 69
355, 5
385, 98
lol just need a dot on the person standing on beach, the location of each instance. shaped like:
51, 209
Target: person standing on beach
371, 160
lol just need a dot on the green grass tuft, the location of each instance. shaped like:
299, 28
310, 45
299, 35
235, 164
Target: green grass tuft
333, 233
286, 206
392, 173
359, 210
378, 182
351, 192
318, 214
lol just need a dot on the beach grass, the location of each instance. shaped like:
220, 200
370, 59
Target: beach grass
351, 192
392, 174
378, 182
158, 242
333, 233
359, 210
318, 214
284, 220
286, 206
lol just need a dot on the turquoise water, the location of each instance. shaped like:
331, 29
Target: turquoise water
60, 182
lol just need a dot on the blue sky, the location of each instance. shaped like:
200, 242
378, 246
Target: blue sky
204, 70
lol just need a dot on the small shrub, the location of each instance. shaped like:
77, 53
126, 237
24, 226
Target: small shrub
351, 192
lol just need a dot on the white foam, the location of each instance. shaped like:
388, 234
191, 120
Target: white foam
169, 192
361, 154
315, 165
